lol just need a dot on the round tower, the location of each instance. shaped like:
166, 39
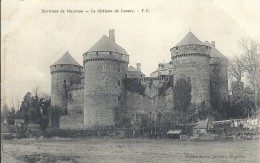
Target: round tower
105, 66
65, 72
218, 77
190, 59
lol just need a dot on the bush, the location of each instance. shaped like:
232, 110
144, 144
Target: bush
134, 86
166, 85
54, 113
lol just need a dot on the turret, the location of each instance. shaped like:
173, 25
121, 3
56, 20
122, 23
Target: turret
218, 77
105, 66
65, 72
190, 60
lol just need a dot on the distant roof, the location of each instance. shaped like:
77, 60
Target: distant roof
190, 39
131, 68
106, 44
67, 59
202, 124
165, 66
214, 52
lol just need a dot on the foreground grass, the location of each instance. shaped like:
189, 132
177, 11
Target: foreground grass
128, 150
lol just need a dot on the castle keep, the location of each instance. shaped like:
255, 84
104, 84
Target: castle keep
106, 92
105, 66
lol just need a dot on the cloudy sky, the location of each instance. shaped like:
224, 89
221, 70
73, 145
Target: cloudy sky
31, 40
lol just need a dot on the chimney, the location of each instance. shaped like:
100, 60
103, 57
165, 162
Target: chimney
138, 65
112, 34
213, 43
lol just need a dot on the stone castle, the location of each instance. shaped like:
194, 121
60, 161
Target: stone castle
106, 92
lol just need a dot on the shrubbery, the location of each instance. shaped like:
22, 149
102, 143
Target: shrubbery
134, 86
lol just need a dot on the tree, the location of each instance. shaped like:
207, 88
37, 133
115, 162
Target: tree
4, 112
247, 64
35, 108
11, 116
235, 70
55, 113
26, 104
134, 85
182, 95
249, 61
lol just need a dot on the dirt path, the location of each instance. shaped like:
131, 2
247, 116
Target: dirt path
128, 150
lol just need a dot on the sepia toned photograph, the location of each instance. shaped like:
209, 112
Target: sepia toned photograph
130, 81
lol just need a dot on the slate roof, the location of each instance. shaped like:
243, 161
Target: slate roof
165, 67
67, 59
106, 44
190, 39
214, 52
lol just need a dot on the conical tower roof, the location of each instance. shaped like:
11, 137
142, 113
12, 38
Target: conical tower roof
214, 52
190, 39
67, 59
108, 45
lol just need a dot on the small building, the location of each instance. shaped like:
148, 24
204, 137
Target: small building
201, 127
19, 121
163, 69
174, 134
33, 126
135, 72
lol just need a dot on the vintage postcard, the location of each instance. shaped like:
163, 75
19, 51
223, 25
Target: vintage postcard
130, 81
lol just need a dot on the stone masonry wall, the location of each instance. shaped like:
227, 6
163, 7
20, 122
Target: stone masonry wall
103, 90
218, 82
192, 61
197, 69
149, 104
74, 119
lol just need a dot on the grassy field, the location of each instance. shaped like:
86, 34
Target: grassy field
128, 150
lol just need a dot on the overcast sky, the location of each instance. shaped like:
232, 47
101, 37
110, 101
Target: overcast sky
32, 41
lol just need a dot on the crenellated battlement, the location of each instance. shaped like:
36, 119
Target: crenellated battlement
162, 78
190, 50
66, 68
105, 56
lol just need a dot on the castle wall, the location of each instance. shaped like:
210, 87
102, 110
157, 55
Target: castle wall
73, 120
150, 104
76, 99
192, 61
135, 74
103, 91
